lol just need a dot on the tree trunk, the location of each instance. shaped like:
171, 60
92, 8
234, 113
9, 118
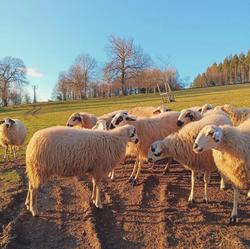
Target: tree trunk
124, 91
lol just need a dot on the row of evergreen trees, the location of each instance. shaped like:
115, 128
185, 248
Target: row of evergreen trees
233, 70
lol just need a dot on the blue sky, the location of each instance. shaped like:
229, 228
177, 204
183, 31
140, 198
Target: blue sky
191, 35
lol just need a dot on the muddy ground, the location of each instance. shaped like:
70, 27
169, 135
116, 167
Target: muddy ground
154, 214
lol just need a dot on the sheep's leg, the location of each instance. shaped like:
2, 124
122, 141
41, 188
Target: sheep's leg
93, 196
27, 202
112, 174
170, 160
33, 201
134, 181
133, 172
234, 214
98, 202
191, 196
206, 181
248, 195
6, 153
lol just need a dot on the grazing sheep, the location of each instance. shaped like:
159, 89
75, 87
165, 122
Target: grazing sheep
13, 134
63, 151
148, 129
108, 116
231, 152
180, 147
237, 115
82, 120
147, 111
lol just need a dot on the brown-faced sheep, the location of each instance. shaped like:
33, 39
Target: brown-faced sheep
147, 111
64, 151
12, 134
180, 147
148, 129
231, 152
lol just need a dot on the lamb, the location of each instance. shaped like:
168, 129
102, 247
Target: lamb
64, 151
12, 133
148, 129
237, 115
147, 111
180, 146
82, 120
231, 153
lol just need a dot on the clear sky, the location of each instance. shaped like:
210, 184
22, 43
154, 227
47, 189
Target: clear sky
190, 34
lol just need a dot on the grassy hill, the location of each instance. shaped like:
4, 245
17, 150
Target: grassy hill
43, 115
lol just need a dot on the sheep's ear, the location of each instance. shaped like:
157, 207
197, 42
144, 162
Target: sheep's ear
210, 133
200, 110
2, 121
156, 112
128, 118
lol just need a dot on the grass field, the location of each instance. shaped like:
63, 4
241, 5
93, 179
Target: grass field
43, 115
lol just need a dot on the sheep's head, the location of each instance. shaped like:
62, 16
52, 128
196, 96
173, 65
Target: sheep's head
7, 122
186, 116
132, 134
206, 108
100, 125
120, 117
74, 120
158, 151
161, 109
208, 138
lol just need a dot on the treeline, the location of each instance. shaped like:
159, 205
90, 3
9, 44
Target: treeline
233, 70
13, 81
128, 70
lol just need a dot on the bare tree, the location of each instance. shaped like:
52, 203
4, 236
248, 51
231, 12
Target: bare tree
125, 60
12, 74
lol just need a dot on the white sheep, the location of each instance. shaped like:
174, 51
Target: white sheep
82, 120
147, 111
206, 107
180, 147
12, 134
64, 151
148, 130
237, 115
231, 152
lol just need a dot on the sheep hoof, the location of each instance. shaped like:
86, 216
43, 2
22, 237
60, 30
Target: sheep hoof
130, 179
191, 201
134, 182
34, 213
233, 220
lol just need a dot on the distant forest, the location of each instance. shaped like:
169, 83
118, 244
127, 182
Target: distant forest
234, 69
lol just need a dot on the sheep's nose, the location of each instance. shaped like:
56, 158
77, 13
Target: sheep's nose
136, 140
150, 160
180, 123
7, 125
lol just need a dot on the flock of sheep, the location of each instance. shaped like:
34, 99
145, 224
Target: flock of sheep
203, 139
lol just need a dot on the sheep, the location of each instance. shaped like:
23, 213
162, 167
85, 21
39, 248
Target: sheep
82, 120
206, 107
147, 111
101, 124
108, 116
64, 151
237, 115
180, 147
148, 129
12, 133
231, 152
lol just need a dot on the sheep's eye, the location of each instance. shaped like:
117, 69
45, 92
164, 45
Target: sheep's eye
119, 120
210, 133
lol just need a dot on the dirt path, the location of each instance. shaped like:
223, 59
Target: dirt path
153, 215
